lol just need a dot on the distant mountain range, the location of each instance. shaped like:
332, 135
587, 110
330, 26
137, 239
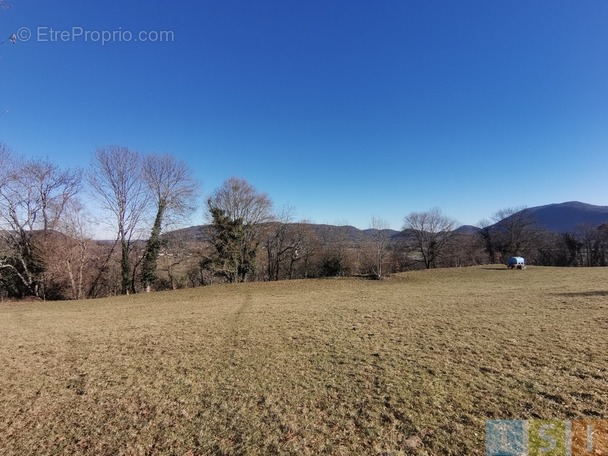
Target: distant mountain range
559, 218
350, 234
568, 217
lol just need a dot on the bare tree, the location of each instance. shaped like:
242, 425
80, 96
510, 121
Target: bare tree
593, 244
173, 189
6, 163
486, 235
33, 197
276, 244
76, 250
284, 244
380, 242
515, 232
117, 181
375, 249
54, 189
302, 249
466, 249
6, 159
299, 247
338, 252
432, 232
240, 200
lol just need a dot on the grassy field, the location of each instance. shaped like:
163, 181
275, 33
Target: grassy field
413, 364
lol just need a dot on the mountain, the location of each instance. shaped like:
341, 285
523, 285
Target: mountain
467, 229
559, 218
569, 216
349, 234
198, 233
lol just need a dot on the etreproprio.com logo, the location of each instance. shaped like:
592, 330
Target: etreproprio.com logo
44, 34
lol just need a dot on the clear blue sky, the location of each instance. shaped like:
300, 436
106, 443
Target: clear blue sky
343, 109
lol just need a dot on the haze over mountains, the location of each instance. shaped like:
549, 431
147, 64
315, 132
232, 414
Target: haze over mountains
559, 218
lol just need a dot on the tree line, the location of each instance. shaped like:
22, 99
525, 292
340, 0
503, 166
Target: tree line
47, 251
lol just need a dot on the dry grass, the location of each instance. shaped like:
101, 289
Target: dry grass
410, 365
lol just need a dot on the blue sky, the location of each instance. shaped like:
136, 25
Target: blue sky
343, 109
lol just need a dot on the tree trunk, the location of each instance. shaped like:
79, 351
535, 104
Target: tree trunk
125, 269
153, 249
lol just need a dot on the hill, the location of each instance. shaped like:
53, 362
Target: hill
565, 217
569, 216
559, 218
349, 234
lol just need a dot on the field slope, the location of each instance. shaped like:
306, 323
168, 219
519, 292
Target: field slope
411, 365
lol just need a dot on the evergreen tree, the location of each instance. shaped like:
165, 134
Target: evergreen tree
235, 251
